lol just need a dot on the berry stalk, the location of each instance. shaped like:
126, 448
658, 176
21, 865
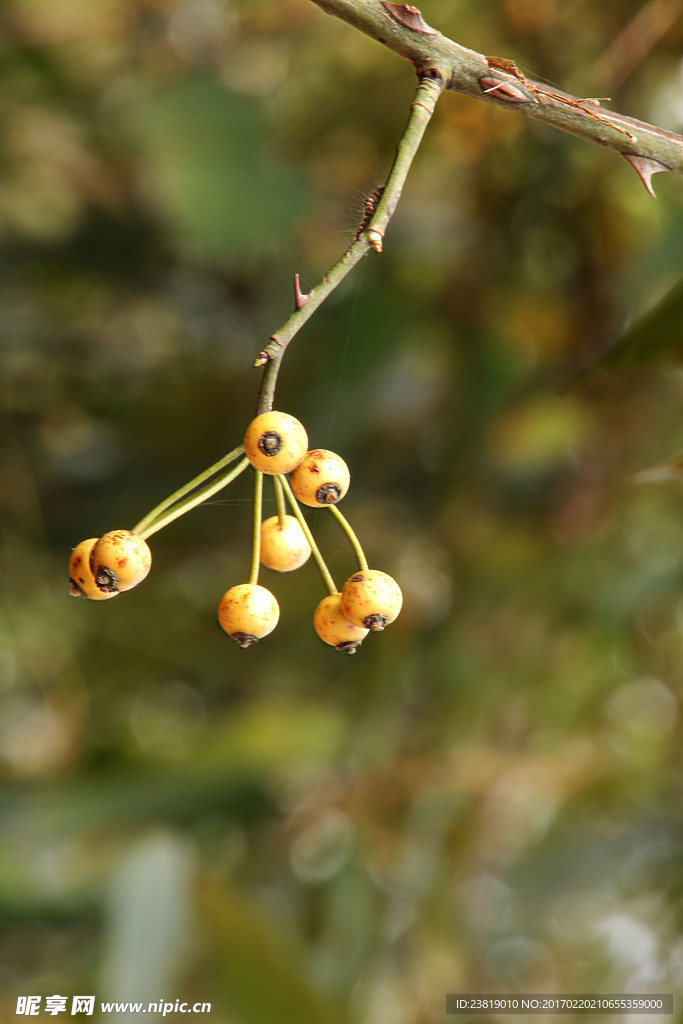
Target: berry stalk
280, 501
350, 533
315, 550
256, 535
188, 488
154, 521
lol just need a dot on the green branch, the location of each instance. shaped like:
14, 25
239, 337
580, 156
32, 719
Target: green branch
271, 356
369, 237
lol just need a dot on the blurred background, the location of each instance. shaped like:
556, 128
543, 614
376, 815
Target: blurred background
487, 797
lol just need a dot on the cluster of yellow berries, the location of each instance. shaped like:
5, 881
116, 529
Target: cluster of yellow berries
276, 444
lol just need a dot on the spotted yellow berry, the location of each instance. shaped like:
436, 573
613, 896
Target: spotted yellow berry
332, 626
371, 598
248, 612
321, 478
283, 546
275, 442
119, 560
81, 579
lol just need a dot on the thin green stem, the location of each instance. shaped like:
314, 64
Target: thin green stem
256, 535
183, 506
350, 533
279, 501
421, 110
271, 356
187, 489
320, 561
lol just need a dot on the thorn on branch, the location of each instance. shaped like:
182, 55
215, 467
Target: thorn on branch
300, 298
504, 90
645, 168
410, 17
543, 95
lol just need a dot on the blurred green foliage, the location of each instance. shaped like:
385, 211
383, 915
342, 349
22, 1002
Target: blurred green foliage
488, 796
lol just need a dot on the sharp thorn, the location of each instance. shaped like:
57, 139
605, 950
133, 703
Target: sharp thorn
503, 89
646, 168
300, 298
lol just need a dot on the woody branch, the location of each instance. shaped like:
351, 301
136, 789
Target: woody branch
402, 29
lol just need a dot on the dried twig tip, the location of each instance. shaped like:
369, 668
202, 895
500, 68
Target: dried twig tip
375, 240
267, 354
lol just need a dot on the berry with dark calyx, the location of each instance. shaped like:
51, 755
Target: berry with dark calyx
321, 478
81, 578
332, 626
283, 545
371, 598
248, 612
119, 560
275, 442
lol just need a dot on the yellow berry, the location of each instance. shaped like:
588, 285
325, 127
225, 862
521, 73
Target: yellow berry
119, 560
321, 478
248, 612
275, 442
80, 575
283, 547
333, 627
371, 598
